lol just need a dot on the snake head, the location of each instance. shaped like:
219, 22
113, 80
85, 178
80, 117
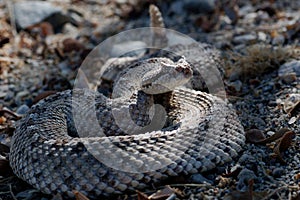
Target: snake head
166, 75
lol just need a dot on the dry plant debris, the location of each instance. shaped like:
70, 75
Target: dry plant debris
259, 59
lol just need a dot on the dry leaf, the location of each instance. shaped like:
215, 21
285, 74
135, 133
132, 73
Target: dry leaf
71, 44
286, 140
274, 33
294, 109
142, 196
297, 197
10, 113
79, 195
2, 120
223, 181
283, 144
272, 138
238, 195
43, 29
247, 195
42, 96
255, 136
164, 193
292, 104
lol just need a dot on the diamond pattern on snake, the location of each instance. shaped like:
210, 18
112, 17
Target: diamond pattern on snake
154, 125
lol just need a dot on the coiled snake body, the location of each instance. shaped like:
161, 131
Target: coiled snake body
199, 132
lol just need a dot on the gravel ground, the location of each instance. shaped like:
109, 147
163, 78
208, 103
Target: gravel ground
259, 41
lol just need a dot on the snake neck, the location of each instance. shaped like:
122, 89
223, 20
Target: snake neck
145, 113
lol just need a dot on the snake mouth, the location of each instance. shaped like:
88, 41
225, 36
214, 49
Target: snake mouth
146, 86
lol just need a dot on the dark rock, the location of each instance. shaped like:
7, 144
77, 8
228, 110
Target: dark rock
278, 172
177, 8
199, 6
58, 20
236, 85
22, 109
29, 13
246, 158
243, 179
289, 68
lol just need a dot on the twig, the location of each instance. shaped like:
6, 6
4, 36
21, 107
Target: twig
9, 59
12, 22
171, 197
275, 191
191, 185
12, 17
11, 192
4, 193
11, 113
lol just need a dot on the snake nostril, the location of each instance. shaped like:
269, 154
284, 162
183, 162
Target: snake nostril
187, 71
179, 69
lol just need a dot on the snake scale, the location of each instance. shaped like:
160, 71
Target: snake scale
199, 132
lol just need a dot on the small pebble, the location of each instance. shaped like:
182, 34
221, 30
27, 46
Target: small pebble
262, 36
292, 120
3, 90
292, 67
2, 94
28, 13
278, 172
22, 109
270, 133
200, 6
244, 39
237, 85
278, 40
243, 178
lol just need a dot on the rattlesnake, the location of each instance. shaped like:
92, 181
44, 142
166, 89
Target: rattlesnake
58, 149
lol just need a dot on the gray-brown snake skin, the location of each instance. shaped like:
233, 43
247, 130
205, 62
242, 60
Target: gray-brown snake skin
203, 132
